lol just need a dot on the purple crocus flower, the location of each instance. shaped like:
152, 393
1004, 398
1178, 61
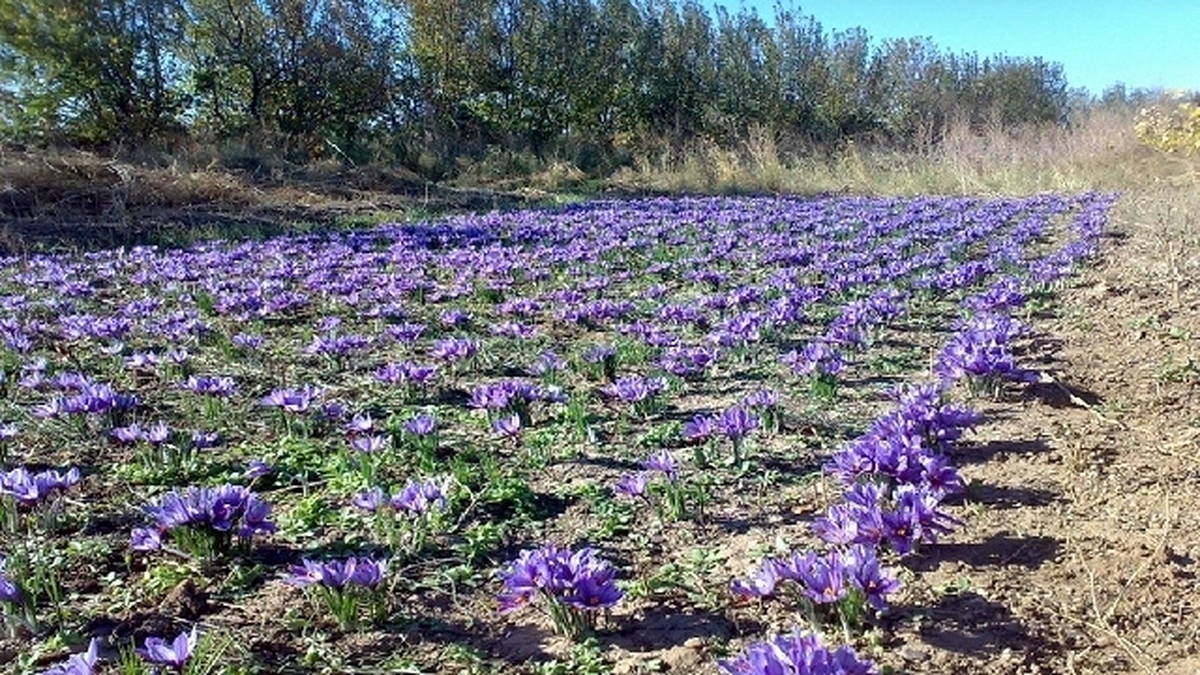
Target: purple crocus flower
337, 345
824, 581
126, 435
202, 440
370, 500
78, 664
580, 579
761, 584
255, 469
226, 508
595, 590
455, 318
635, 389
211, 385
369, 443
407, 333
421, 496
736, 423
662, 462
599, 354
406, 373
293, 400
421, 425
838, 526
333, 411
9, 591
798, 654
359, 424
145, 539
817, 357
867, 575
248, 341
547, 362
157, 433
632, 484
353, 571
30, 489
174, 654
141, 361
507, 425
454, 349
699, 428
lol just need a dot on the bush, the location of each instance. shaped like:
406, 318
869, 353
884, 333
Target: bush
1174, 130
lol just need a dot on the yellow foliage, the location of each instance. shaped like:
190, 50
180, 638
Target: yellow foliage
1171, 130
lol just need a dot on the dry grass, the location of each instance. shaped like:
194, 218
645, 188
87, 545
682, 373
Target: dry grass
74, 184
1101, 153
47, 184
65, 191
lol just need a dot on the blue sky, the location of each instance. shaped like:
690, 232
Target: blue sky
1155, 43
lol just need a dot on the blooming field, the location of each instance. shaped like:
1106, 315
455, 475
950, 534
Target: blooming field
431, 447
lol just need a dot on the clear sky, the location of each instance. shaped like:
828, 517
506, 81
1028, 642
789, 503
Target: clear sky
1150, 43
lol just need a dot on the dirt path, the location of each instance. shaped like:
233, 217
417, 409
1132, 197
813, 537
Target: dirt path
1083, 539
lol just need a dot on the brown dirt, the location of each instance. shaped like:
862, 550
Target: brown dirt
1083, 539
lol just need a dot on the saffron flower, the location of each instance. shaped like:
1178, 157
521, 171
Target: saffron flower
293, 400
797, 654
203, 520
343, 586
632, 484
422, 496
78, 664
174, 654
662, 462
421, 425
573, 585
210, 385
351, 571
9, 590
508, 426
30, 489
699, 428
736, 423
369, 444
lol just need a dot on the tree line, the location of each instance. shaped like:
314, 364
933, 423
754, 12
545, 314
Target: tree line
392, 79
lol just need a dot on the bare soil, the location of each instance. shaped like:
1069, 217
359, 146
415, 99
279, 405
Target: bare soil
1083, 521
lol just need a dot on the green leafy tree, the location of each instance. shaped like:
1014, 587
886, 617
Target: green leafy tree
95, 70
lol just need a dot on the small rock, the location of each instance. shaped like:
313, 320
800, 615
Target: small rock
694, 642
913, 654
679, 659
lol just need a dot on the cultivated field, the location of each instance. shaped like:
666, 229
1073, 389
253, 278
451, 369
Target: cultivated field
957, 434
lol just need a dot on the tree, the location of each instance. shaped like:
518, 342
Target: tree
97, 70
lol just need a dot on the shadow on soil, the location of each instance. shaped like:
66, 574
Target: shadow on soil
999, 550
1006, 497
1058, 395
967, 623
985, 452
663, 626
